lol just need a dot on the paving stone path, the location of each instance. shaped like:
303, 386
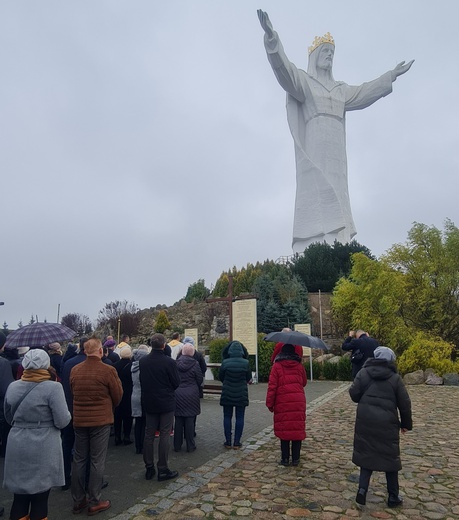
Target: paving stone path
249, 484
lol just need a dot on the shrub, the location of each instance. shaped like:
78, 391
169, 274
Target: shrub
162, 322
344, 369
330, 370
265, 350
317, 367
427, 352
216, 347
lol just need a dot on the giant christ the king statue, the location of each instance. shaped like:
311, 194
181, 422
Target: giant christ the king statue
316, 109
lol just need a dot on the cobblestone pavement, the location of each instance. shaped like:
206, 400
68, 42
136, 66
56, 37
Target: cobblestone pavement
125, 471
250, 484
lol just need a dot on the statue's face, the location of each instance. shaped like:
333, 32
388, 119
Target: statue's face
325, 58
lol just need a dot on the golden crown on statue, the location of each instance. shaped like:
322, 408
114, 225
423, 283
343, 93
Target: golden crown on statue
319, 40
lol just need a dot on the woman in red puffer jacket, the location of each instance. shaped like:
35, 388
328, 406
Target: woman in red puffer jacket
286, 398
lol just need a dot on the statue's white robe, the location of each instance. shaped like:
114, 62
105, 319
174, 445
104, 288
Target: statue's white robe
316, 116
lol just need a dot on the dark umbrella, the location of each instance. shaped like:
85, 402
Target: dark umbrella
297, 338
38, 335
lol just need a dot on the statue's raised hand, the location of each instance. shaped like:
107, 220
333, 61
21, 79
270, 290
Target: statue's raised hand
401, 68
265, 22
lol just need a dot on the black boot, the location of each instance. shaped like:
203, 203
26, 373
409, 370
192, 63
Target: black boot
166, 474
361, 497
149, 472
394, 500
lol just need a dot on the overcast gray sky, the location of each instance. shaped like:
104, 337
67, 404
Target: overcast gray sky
144, 144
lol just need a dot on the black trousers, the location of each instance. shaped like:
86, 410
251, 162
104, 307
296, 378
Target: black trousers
139, 432
184, 427
122, 422
34, 505
391, 480
285, 450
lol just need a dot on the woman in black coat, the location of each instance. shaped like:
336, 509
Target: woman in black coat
187, 400
381, 396
123, 412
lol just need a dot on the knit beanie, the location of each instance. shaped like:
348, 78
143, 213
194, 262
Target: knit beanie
188, 339
384, 353
36, 359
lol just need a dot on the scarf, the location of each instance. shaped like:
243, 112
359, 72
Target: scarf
36, 375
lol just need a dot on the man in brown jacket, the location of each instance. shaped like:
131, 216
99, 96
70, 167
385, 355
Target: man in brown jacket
96, 391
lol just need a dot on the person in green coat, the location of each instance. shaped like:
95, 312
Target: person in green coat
235, 374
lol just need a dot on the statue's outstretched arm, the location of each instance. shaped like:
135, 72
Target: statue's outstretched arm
265, 23
400, 69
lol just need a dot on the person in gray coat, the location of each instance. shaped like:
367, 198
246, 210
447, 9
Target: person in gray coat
36, 409
187, 398
136, 401
381, 396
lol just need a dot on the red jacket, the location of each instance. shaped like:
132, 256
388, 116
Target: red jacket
278, 349
286, 398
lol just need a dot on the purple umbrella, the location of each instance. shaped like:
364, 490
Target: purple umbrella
38, 335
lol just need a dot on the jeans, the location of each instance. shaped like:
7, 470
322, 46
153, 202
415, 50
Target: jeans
91, 444
227, 420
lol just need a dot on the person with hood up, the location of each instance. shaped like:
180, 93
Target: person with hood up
136, 403
187, 398
286, 398
235, 374
36, 409
384, 409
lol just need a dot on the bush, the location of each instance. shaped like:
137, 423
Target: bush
426, 352
162, 322
216, 347
344, 369
265, 350
317, 367
330, 371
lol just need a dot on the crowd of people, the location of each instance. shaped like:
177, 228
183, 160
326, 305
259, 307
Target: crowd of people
74, 401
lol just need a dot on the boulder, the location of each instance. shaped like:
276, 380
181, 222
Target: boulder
433, 379
414, 378
334, 359
451, 379
324, 357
